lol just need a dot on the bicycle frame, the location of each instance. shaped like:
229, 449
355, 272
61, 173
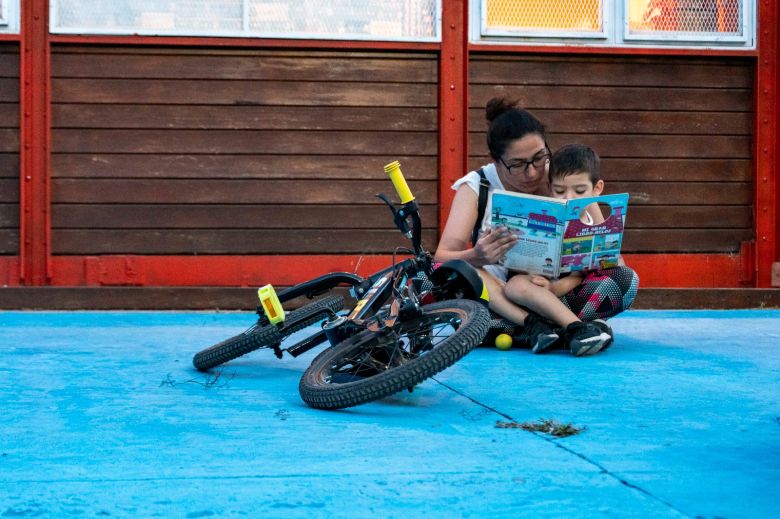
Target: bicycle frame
386, 301
372, 292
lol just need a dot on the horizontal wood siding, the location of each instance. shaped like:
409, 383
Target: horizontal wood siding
675, 133
9, 149
199, 151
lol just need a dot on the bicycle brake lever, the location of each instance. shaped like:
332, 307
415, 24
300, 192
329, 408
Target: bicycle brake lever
389, 204
399, 217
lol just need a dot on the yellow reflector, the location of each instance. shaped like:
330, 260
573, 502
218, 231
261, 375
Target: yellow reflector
271, 306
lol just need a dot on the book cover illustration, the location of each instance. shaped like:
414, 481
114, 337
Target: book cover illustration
552, 237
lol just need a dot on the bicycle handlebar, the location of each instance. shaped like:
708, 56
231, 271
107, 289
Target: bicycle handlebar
399, 182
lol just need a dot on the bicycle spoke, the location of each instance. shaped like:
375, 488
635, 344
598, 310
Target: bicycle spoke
394, 348
381, 363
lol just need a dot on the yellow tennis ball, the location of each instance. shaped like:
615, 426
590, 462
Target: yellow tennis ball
503, 341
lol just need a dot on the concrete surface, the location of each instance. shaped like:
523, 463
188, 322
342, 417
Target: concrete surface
104, 416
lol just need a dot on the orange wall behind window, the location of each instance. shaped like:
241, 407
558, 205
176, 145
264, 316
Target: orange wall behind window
582, 15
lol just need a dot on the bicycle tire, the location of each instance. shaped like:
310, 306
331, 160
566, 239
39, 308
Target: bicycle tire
354, 359
264, 336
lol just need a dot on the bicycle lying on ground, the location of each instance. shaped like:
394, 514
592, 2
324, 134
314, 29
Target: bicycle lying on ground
396, 335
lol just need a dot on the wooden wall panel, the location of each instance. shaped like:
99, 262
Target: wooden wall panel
9, 149
674, 132
235, 241
216, 64
201, 151
223, 216
233, 166
237, 191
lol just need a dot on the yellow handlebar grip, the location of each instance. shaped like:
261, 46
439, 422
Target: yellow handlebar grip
394, 171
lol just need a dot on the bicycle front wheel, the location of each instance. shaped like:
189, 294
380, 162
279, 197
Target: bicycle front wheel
373, 365
265, 336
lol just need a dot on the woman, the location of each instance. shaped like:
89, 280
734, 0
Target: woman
521, 157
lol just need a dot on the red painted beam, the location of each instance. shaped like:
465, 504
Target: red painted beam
34, 196
767, 159
202, 41
9, 271
206, 270
655, 270
606, 51
453, 102
689, 270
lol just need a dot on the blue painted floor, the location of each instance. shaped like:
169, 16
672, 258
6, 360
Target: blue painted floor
103, 415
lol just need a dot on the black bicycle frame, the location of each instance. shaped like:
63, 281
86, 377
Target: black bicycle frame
371, 292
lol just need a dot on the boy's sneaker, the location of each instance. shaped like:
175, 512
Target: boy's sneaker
601, 323
586, 338
540, 333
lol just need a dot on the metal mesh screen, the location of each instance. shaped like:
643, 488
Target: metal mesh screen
347, 19
389, 19
175, 17
3, 15
544, 15
706, 17
9, 16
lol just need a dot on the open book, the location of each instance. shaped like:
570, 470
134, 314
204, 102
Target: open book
557, 236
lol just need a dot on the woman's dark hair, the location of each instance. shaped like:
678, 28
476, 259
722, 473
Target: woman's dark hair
508, 123
573, 159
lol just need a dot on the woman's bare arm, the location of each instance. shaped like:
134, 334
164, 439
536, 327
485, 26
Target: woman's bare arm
455, 241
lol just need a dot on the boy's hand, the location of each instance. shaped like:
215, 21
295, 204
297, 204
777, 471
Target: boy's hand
542, 282
493, 246
558, 287
564, 285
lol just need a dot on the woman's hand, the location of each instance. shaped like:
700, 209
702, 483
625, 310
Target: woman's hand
493, 246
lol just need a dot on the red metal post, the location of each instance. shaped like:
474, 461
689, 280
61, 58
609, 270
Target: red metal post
767, 159
775, 22
34, 196
775, 267
453, 102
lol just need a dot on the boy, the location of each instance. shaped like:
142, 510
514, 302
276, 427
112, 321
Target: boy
574, 173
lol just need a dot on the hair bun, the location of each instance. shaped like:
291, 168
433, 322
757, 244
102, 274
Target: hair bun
498, 106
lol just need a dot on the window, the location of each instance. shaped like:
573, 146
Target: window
396, 20
687, 20
574, 19
9, 16
722, 23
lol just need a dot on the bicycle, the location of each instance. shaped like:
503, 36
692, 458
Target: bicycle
400, 332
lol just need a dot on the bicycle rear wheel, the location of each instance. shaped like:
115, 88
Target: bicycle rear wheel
265, 336
373, 365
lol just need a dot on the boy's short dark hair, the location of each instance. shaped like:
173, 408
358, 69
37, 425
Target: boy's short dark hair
575, 158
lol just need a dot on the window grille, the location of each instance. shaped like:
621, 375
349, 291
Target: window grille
9, 16
401, 20
689, 23
543, 18
3, 16
695, 20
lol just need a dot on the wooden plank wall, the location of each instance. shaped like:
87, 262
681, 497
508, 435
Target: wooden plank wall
199, 151
9, 149
674, 132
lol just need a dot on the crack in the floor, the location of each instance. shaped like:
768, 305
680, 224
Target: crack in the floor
583, 457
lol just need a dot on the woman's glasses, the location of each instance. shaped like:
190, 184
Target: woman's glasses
521, 166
